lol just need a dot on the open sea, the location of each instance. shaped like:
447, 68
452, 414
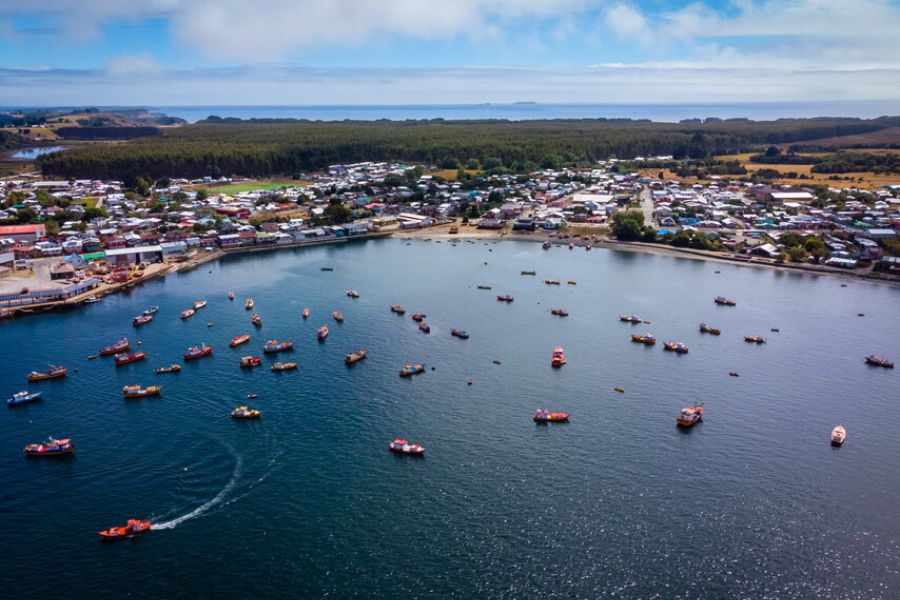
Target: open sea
308, 502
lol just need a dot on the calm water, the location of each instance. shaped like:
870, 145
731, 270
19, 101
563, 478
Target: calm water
515, 112
751, 503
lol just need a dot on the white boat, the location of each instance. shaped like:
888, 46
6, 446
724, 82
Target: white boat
91, 299
838, 435
23, 398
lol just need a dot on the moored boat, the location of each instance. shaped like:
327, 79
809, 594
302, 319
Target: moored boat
424, 327
187, 314
322, 333
459, 333
141, 320
256, 320
483, 287
238, 340
231, 295
356, 356
173, 368
679, 347
529, 273
23, 397
838, 435
248, 303
121, 346
125, 358
52, 447
284, 366
505, 298
572, 282
418, 317
647, 339
551, 281
305, 313
690, 415
723, 301
242, 412
136, 391
196, 352
199, 304
273, 346
52, 372
630, 319
150, 311
400, 446
133, 528
397, 309
545, 416
877, 361
704, 328
248, 362
337, 316
352, 293
559, 312
546, 245
558, 358
755, 339
409, 370
619, 389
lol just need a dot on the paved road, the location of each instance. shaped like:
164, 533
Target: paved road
647, 206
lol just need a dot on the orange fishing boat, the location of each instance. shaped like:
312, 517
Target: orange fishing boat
338, 316
691, 415
838, 435
52, 372
559, 357
545, 416
322, 333
256, 320
248, 362
121, 346
132, 528
248, 304
647, 339
679, 347
356, 356
397, 309
238, 340
136, 391
284, 366
242, 412
305, 313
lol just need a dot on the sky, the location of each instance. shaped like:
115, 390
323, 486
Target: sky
237, 52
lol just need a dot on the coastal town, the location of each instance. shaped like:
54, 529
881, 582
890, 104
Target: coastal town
66, 242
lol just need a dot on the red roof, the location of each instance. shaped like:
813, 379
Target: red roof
14, 229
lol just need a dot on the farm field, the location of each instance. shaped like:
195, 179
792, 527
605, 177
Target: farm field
250, 186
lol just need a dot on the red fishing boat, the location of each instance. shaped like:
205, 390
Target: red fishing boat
124, 359
52, 447
424, 327
418, 317
121, 346
132, 528
136, 391
256, 320
273, 346
399, 446
690, 415
198, 352
322, 333
559, 357
305, 313
545, 416
238, 340
396, 308
248, 362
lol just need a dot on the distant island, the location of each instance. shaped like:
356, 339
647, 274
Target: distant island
525, 102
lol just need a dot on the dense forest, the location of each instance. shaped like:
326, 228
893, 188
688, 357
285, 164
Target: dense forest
219, 147
105, 132
9, 140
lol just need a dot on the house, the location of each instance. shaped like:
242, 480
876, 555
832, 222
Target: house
23, 233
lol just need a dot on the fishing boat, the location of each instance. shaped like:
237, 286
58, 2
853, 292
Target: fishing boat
572, 282
630, 319
529, 273
409, 370
755, 339
196, 352
352, 293
273, 346
337, 316
588, 247
199, 304
647, 339
173, 368
150, 311
424, 327
242, 412
571, 245
91, 300
734, 374
545, 245
248, 362
484, 287
248, 304
121, 346
356, 356
238, 340
679, 347
551, 281
322, 333
256, 320
838, 435
133, 528
92, 356
559, 312
724, 301
136, 391
141, 320
545, 416
52, 372
877, 361
231, 295
460, 333
558, 358
284, 366
52, 447
397, 309
23, 398
619, 389
187, 314
505, 298
418, 317
125, 358
399, 446
704, 328
690, 415
305, 313
327, 269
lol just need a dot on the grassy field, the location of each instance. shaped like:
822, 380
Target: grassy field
251, 186
450, 174
866, 180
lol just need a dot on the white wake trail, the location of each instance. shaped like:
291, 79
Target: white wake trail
207, 505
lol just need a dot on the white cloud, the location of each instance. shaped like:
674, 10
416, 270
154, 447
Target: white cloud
133, 65
626, 21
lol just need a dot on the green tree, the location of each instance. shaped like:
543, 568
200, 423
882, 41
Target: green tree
202, 194
628, 225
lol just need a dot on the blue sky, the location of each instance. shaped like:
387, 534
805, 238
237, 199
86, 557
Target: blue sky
159, 52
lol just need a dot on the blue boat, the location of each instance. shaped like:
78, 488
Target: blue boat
23, 398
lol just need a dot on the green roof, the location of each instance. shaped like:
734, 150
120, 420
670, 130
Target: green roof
93, 255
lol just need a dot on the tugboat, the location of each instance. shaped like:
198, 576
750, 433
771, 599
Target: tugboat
23, 398
679, 347
353, 293
248, 304
198, 352
238, 340
124, 358
399, 446
723, 301
397, 309
150, 311
121, 346
136, 391
305, 313
199, 304
460, 333
322, 333
242, 412
505, 298
141, 320
559, 312
424, 327
337, 316
52, 447
231, 295
273, 346
409, 370
838, 435
647, 339
284, 366
545, 416
558, 358
187, 314
133, 528
690, 415
356, 356
877, 361
630, 319
755, 339
173, 368
418, 317
256, 320
704, 328
52, 372
248, 362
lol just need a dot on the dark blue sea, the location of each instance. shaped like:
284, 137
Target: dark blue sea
307, 502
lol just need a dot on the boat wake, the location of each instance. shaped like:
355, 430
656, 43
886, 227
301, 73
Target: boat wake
256, 483
223, 493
